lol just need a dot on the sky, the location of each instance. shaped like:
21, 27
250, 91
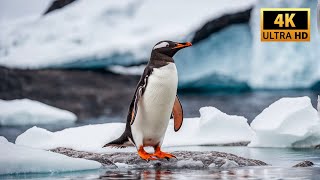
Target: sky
13, 9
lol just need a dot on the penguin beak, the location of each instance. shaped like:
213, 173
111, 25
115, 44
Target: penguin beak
182, 45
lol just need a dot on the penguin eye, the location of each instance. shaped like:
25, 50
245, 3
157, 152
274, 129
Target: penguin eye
167, 45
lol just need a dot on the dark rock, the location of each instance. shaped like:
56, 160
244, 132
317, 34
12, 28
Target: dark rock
87, 93
58, 4
218, 24
185, 159
304, 164
85, 155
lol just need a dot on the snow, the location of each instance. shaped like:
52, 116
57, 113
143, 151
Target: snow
190, 163
20, 159
132, 70
213, 127
25, 111
284, 65
288, 122
99, 30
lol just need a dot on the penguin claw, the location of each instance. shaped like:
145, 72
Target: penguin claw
163, 155
145, 156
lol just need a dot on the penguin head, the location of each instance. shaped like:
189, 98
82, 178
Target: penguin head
169, 48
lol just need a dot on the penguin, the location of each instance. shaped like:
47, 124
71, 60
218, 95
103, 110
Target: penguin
155, 100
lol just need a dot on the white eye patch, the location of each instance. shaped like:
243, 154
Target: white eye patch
161, 45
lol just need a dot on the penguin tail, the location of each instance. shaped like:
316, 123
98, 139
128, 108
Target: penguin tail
121, 142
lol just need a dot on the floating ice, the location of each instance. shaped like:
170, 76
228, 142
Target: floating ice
213, 127
288, 122
25, 111
20, 159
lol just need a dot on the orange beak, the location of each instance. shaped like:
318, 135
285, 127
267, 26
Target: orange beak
182, 45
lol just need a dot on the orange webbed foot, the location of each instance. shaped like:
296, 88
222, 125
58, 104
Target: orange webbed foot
144, 155
161, 155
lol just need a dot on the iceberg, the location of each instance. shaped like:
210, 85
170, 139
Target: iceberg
213, 127
284, 65
288, 122
26, 111
121, 33
20, 159
100, 33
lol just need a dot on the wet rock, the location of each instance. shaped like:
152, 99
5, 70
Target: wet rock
185, 159
58, 4
304, 164
85, 155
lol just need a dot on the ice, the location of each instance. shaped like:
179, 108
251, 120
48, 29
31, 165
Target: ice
288, 122
189, 163
213, 127
100, 31
318, 105
25, 111
284, 65
21, 159
86, 138
133, 70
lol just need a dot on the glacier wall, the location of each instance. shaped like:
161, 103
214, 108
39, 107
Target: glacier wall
122, 32
236, 58
284, 65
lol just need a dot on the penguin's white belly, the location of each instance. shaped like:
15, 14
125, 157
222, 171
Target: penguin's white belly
155, 106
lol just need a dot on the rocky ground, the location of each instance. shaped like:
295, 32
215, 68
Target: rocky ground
185, 159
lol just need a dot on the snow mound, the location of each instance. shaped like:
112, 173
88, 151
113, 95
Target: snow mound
288, 122
213, 127
99, 31
20, 159
25, 111
86, 138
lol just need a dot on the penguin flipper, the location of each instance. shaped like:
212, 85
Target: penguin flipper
177, 113
142, 85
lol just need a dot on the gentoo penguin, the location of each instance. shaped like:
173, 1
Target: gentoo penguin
154, 102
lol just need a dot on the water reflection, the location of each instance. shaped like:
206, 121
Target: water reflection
239, 173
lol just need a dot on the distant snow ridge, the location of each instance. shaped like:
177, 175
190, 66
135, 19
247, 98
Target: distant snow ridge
21, 159
288, 122
25, 111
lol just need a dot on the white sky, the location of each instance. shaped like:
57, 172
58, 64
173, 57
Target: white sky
12, 9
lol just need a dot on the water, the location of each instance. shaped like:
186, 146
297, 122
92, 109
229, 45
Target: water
248, 104
281, 160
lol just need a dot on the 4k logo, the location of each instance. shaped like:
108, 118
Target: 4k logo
288, 20
285, 24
